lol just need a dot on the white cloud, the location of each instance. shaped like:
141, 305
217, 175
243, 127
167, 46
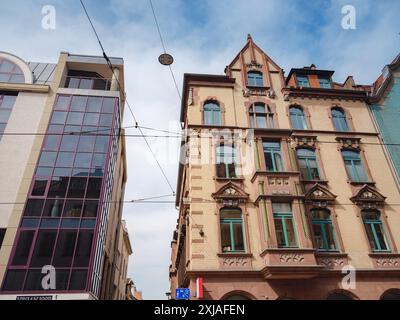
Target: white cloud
203, 36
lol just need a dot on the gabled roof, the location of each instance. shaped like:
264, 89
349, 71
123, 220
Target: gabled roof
248, 44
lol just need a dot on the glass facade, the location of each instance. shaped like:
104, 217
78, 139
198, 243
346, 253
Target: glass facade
66, 212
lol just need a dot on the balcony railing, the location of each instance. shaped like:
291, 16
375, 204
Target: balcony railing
87, 83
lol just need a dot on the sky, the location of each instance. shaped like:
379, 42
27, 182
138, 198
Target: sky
203, 36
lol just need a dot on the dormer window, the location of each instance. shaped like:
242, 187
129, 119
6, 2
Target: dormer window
325, 83
255, 79
302, 81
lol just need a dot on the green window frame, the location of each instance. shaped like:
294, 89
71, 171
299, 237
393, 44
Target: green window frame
261, 116
340, 120
255, 79
232, 231
354, 166
308, 164
323, 230
375, 231
212, 114
226, 161
284, 225
273, 156
302, 81
297, 118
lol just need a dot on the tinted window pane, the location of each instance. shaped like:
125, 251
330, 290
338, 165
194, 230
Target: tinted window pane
75, 118
50, 223
90, 209
58, 187
34, 208
4, 115
51, 143
106, 120
14, 280
39, 187
65, 249
108, 105
65, 159
80, 172
62, 103
91, 119
73, 208
55, 128
62, 172
98, 160
58, 117
47, 159
101, 144
94, 188
34, 280
30, 223
70, 224
62, 277
83, 249
78, 280
88, 224
69, 143
78, 103
53, 208
83, 160
23, 247
86, 143
43, 248
72, 129
77, 188
94, 104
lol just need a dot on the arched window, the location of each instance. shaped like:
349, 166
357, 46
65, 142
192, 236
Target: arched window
324, 232
354, 166
10, 72
297, 118
392, 294
308, 164
339, 296
375, 231
212, 113
261, 116
226, 161
232, 230
339, 119
255, 79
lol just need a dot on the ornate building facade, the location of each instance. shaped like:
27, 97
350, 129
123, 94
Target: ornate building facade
283, 188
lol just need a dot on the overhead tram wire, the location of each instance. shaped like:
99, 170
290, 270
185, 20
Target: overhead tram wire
164, 48
126, 100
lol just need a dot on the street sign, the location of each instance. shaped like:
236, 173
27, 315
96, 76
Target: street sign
182, 294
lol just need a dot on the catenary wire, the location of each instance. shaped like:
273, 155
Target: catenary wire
164, 48
126, 100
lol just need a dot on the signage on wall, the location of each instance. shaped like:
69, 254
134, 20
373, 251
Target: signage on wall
34, 298
182, 294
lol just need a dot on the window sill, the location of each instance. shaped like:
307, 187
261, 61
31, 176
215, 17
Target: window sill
257, 87
235, 255
336, 254
229, 179
361, 183
384, 254
315, 181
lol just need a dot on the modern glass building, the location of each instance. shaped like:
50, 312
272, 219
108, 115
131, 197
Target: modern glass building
61, 235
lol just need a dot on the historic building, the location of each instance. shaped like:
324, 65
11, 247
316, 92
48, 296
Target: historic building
62, 178
385, 106
283, 184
